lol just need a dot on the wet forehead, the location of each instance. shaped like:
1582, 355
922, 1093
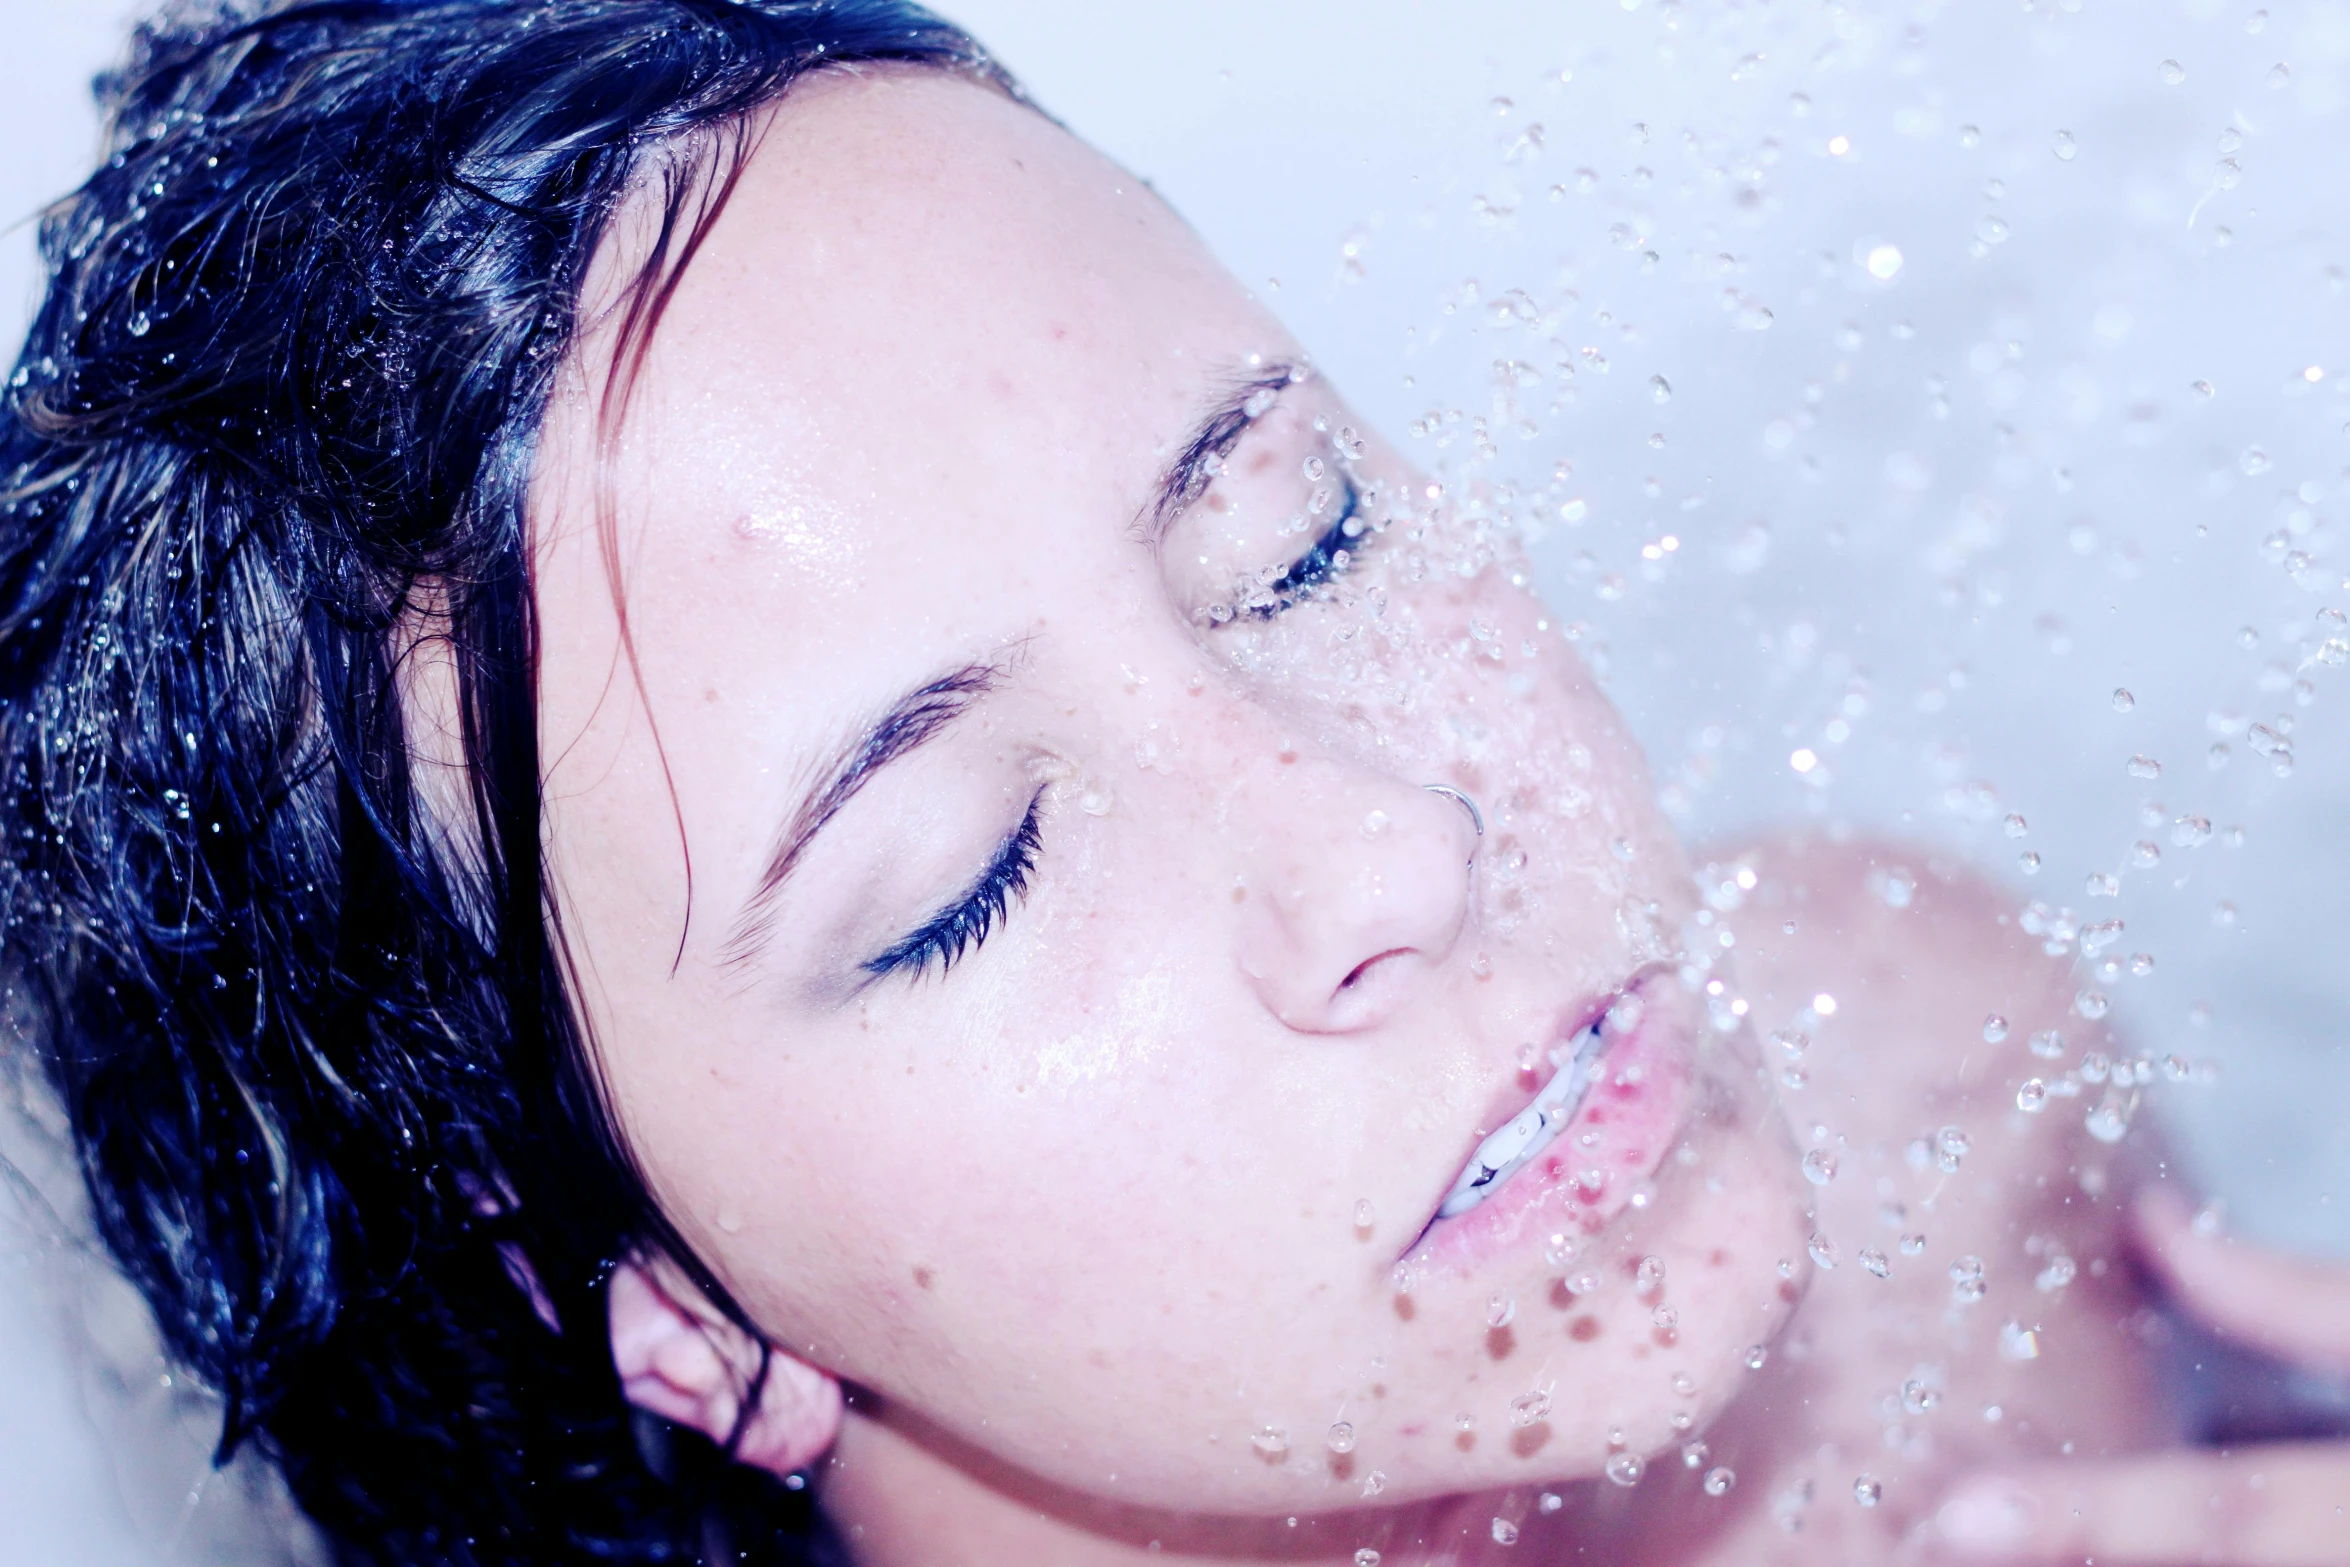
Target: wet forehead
928, 308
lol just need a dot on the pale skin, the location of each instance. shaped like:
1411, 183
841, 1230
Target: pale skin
1092, 1237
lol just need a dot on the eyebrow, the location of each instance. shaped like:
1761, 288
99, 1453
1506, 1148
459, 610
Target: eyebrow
1199, 459
905, 726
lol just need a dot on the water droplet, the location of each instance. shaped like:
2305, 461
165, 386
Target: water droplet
1753, 317
1626, 1468
1550, 1502
1994, 1029
1530, 1408
1823, 1251
1660, 388
1992, 230
1876, 1262
1559, 1250
141, 323
2110, 1121
1756, 1355
1374, 823
2280, 75
1919, 1396
1649, 1277
2091, 1004
2048, 1044
2145, 767
1884, 262
1970, 137
2204, 389
1966, 1280
1719, 1481
1868, 1490
2029, 862
1375, 1482
1819, 1168
1913, 1245
2016, 825
2254, 462
1366, 1557
1504, 1532
1270, 1442
2122, 700
1364, 1213
1950, 1146
2061, 1270
1500, 1311
2170, 73
2017, 1342
2032, 1097
2063, 145
1342, 1438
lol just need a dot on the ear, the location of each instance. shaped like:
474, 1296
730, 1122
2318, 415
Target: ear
679, 1358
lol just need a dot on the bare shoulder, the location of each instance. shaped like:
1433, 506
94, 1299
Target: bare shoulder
1907, 971
1970, 1303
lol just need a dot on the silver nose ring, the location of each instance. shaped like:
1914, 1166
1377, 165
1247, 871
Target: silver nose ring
1476, 817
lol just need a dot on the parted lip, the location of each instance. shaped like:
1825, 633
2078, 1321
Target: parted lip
1508, 1101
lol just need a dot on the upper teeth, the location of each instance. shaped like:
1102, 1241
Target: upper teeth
1509, 1150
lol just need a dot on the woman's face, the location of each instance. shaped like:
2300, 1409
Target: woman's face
1022, 948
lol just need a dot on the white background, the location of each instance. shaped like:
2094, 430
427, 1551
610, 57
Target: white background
2003, 501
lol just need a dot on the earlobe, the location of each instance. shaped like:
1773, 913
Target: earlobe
678, 1358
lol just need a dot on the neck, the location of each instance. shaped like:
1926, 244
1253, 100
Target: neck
903, 1495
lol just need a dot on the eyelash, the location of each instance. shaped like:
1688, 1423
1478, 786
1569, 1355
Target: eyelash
1318, 566
945, 938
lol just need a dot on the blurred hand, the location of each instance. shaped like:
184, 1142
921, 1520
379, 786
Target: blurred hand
2280, 1505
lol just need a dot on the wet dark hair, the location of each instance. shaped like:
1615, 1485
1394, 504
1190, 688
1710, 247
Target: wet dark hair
269, 443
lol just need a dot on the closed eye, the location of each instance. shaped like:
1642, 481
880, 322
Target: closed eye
946, 937
1331, 556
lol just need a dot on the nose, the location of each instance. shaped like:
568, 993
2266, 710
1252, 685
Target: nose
1358, 891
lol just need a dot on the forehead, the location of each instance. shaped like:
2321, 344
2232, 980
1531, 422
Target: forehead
924, 299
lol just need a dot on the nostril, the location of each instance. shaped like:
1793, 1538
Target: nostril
1360, 971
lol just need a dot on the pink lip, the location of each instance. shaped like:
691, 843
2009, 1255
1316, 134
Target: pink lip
1626, 1124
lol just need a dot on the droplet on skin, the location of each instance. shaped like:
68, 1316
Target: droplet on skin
1868, 1490
2123, 701
2144, 767
1625, 1469
1366, 1557
1994, 1029
2170, 73
1342, 1438
1374, 1483
1271, 1442
1823, 1251
2063, 145
1913, 1245
1500, 1311
1364, 1213
1719, 1481
1876, 1262
1756, 1356
1649, 1277
2032, 1097
1819, 1168
1530, 1408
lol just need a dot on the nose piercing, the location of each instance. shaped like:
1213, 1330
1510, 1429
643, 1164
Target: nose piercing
1476, 817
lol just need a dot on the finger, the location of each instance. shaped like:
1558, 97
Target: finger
2294, 1308
2277, 1506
